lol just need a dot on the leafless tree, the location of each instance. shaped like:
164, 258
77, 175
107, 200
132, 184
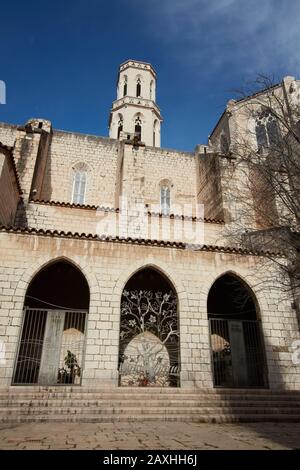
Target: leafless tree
266, 153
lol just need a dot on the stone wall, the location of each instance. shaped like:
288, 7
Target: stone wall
110, 223
9, 191
8, 133
107, 267
99, 154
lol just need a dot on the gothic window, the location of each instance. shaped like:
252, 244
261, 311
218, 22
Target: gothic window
125, 86
165, 199
138, 128
267, 130
79, 187
151, 90
120, 125
155, 130
138, 87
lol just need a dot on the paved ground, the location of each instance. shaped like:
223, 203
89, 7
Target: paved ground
149, 435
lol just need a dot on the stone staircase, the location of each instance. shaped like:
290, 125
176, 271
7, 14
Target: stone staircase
82, 404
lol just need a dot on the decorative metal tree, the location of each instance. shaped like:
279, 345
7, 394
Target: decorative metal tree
149, 337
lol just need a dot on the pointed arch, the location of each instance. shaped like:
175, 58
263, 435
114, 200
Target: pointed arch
149, 304
56, 304
138, 120
237, 345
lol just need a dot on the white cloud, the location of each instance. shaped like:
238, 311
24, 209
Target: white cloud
252, 35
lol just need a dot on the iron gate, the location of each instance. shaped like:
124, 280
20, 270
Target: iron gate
51, 347
237, 353
149, 339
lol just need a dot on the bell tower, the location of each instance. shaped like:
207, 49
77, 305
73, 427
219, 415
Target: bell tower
135, 112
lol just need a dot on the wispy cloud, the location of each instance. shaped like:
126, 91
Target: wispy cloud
252, 35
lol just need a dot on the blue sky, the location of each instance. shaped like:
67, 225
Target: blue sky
59, 59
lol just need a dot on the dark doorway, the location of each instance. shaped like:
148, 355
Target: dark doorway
52, 340
237, 347
149, 333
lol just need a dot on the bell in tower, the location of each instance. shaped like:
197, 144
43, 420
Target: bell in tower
135, 114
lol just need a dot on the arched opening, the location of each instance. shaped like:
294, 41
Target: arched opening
237, 347
149, 332
151, 90
51, 345
155, 132
138, 127
125, 86
165, 197
138, 88
120, 125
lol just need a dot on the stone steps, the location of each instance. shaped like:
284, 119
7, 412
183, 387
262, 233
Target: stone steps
81, 404
138, 410
115, 418
17, 403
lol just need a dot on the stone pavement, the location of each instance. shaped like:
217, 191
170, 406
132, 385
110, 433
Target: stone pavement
149, 435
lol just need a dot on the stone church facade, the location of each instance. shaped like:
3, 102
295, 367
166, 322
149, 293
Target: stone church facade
115, 267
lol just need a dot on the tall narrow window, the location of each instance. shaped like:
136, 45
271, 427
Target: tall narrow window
79, 187
138, 87
155, 131
120, 126
151, 90
138, 128
125, 86
165, 200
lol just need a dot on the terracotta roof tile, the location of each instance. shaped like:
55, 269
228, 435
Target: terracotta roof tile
112, 209
133, 241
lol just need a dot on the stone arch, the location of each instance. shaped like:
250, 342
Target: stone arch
260, 300
161, 267
138, 125
155, 132
120, 124
163, 284
52, 328
71, 324
236, 340
37, 266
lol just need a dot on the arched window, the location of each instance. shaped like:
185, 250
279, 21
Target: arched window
165, 202
151, 90
79, 187
138, 87
138, 127
267, 130
125, 86
120, 125
155, 131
